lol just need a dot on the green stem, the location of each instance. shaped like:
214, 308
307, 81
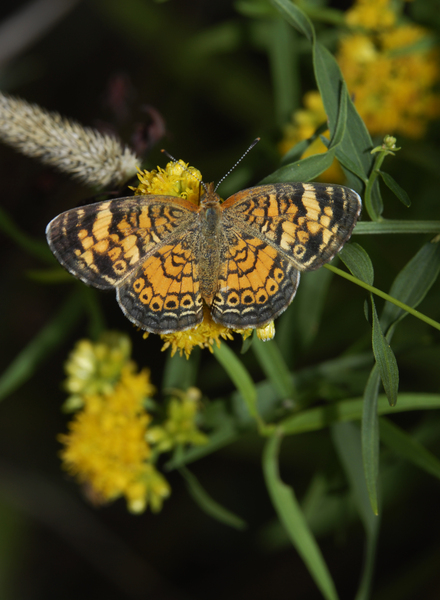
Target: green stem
385, 296
374, 173
382, 226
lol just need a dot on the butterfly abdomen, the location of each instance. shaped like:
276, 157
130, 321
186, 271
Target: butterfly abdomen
208, 247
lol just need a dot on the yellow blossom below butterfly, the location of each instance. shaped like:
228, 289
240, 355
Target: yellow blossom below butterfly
168, 258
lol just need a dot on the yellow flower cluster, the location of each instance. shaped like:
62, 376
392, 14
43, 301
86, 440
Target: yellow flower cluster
180, 180
204, 335
177, 179
371, 14
180, 426
95, 368
111, 447
391, 68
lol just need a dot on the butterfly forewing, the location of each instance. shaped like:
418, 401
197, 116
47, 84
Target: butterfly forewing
103, 243
307, 222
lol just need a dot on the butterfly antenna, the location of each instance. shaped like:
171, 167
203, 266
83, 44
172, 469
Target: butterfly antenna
254, 143
185, 168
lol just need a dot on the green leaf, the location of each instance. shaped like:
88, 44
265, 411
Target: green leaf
376, 200
351, 165
35, 248
385, 360
357, 261
310, 303
370, 437
208, 504
357, 142
321, 417
255, 9
341, 120
406, 446
306, 169
181, 372
295, 17
96, 322
282, 51
311, 167
396, 226
295, 153
49, 276
395, 188
225, 436
413, 282
274, 367
346, 438
291, 516
52, 335
240, 377
381, 294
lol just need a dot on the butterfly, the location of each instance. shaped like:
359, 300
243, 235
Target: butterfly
168, 258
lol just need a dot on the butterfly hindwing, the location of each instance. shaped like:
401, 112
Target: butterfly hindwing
256, 283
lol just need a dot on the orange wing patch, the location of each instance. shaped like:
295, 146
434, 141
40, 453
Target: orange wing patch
164, 293
255, 286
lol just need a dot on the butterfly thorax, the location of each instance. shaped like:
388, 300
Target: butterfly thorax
209, 249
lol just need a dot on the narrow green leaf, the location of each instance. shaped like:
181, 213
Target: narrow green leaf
306, 169
404, 444
295, 153
395, 188
24, 364
282, 52
396, 226
351, 165
385, 360
321, 417
208, 504
357, 142
55, 275
253, 9
381, 294
370, 437
247, 343
347, 441
273, 365
310, 302
295, 17
240, 377
96, 321
312, 166
376, 200
341, 119
291, 516
413, 282
35, 248
220, 439
357, 261
180, 372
